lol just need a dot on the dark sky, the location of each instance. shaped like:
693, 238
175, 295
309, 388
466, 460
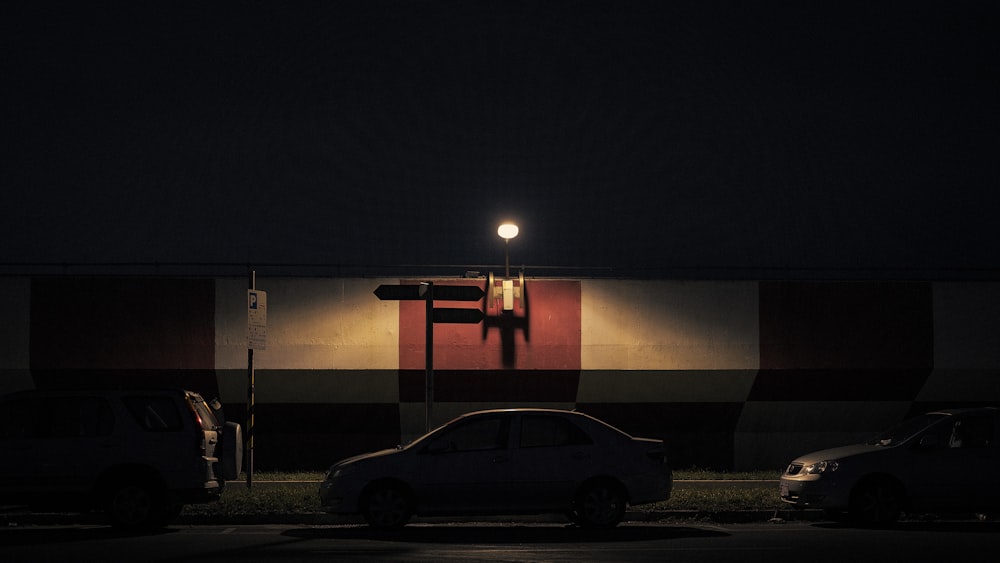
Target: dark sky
627, 136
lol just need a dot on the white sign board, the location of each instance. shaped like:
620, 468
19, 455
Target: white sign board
257, 319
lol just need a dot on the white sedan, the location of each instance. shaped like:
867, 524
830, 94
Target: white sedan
511, 461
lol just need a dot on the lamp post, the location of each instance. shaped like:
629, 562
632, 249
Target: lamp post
507, 231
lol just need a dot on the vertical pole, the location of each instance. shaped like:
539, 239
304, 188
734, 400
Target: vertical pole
506, 258
429, 357
248, 447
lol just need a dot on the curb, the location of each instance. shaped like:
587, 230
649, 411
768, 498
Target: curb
14, 520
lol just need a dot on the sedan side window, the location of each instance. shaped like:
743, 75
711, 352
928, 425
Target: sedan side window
548, 431
972, 432
476, 435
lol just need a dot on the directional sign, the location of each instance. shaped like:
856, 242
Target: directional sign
419, 291
458, 293
401, 292
461, 316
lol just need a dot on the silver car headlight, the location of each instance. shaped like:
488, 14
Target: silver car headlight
827, 466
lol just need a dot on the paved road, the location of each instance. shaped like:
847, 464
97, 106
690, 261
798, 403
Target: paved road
653, 541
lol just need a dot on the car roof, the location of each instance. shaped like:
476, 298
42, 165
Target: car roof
522, 410
532, 410
75, 391
538, 410
967, 410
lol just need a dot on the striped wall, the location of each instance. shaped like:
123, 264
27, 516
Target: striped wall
733, 375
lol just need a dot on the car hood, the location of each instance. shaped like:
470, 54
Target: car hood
369, 455
837, 453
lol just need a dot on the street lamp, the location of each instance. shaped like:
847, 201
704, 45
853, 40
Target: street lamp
507, 231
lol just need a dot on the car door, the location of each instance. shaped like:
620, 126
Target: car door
54, 446
946, 469
466, 467
19, 435
553, 456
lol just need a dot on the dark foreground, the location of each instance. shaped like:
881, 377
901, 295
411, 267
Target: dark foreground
673, 541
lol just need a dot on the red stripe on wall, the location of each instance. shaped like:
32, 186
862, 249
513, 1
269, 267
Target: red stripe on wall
542, 333
844, 341
865, 325
122, 323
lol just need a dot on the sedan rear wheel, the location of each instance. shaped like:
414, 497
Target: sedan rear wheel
386, 507
600, 505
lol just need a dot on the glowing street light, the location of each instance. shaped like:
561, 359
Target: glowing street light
507, 231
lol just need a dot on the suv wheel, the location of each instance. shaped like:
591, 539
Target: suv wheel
135, 506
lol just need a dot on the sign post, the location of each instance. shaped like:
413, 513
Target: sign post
256, 339
428, 292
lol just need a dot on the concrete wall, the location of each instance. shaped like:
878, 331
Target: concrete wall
733, 375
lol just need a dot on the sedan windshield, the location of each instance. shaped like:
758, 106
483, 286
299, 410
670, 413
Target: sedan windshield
906, 430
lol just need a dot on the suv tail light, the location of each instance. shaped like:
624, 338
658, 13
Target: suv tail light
200, 445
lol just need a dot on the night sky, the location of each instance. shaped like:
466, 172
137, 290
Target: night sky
695, 139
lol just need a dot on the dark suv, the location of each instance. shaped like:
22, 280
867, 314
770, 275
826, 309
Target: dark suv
138, 455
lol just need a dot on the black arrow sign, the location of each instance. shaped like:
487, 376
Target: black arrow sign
458, 293
419, 291
401, 292
461, 316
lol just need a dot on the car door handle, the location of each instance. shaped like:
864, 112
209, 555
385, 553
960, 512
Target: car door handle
581, 455
499, 459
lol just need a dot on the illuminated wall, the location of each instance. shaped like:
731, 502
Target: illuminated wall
732, 374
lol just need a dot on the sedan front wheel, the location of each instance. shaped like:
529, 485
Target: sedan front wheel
386, 507
876, 503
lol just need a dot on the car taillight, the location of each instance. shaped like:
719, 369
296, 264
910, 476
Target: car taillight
200, 445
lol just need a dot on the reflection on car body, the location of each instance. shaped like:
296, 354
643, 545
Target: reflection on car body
942, 461
512, 461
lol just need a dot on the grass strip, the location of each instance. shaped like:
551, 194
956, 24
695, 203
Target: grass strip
275, 493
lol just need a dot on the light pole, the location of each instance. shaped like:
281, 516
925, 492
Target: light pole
507, 231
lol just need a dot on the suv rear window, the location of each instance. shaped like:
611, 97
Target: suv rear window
155, 414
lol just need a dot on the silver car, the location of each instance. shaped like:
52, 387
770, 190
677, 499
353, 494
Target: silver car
942, 461
513, 461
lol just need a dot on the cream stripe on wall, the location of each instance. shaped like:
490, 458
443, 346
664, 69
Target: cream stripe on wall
669, 325
311, 324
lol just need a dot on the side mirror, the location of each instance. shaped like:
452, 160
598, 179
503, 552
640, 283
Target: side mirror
438, 447
932, 442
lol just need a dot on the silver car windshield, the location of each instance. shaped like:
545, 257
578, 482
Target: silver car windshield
906, 430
